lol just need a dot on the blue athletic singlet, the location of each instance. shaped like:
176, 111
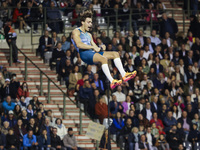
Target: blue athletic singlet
86, 55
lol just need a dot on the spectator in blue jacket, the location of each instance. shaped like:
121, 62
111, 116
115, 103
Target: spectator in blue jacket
30, 141
115, 106
85, 93
117, 125
8, 105
44, 141
169, 121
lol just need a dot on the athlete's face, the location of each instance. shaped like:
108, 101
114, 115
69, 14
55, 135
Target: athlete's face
87, 24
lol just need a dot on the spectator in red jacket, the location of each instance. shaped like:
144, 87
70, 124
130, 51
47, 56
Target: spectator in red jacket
18, 18
23, 91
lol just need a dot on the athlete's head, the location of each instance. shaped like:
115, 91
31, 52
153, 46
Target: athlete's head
86, 20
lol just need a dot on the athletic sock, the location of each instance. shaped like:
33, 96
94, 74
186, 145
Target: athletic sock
107, 72
119, 66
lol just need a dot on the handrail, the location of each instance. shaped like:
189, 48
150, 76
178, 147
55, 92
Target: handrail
49, 80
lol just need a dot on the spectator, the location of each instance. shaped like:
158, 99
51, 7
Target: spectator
139, 58
65, 44
142, 144
147, 112
99, 84
24, 118
101, 110
46, 126
11, 140
54, 17
159, 83
85, 93
133, 138
69, 140
134, 119
161, 143
158, 122
55, 140
8, 105
61, 129
104, 144
11, 36
186, 122
105, 39
117, 124
168, 25
124, 133
5, 128
12, 121
150, 138
120, 96
194, 23
55, 40
30, 112
193, 135
19, 132
169, 121
173, 138
23, 91
154, 131
196, 120
17, 112
2, 139
154, 39
30, 141
51, 118
57, 55
39, 119
143, 121
35, 102
44, 141
115, 106
45, 44
74, 77
126, 104
32, 126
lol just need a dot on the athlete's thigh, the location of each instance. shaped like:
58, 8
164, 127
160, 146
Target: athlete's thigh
111, 55
99, 58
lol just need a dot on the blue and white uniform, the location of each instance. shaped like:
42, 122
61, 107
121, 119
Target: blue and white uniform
86, 54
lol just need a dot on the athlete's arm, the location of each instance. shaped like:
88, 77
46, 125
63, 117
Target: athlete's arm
93, 44
79, 43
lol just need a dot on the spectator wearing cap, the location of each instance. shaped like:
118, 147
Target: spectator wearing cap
35, 102
8, 105
55, 140
5, 127
44, 141
7, 89
2, 139
12, 121
11, 140
29, 141
61, 129
69, 140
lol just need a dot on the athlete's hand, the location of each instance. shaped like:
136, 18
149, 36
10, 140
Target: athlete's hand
96, 49
103, 47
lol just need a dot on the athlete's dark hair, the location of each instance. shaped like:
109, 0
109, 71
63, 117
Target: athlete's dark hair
85, 14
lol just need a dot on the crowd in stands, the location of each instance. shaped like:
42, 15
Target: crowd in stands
158, 109
24, 122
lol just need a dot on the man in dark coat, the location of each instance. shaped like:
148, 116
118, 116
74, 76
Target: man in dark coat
168, 25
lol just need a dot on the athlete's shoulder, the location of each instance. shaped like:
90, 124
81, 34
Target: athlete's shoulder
76, 32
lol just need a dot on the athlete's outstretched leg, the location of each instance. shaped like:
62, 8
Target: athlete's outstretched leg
104, 61
117, 61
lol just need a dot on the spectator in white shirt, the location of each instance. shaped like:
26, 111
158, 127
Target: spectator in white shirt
146, 52
121, 97
154, 39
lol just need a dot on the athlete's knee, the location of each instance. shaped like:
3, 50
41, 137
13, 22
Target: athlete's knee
104, 60
116, 54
